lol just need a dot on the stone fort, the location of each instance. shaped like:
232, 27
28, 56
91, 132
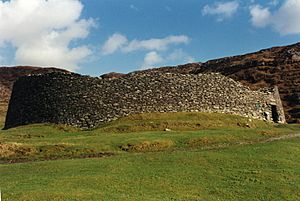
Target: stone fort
87, 102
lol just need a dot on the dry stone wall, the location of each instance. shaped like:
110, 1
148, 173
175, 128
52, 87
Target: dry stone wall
88, 102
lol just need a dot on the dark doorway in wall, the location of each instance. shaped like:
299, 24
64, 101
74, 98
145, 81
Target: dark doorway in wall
275, 115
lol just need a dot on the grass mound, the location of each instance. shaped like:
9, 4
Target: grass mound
181, 121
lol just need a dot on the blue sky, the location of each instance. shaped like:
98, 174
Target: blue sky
99, 36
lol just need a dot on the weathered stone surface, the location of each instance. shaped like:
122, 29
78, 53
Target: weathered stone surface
87, 102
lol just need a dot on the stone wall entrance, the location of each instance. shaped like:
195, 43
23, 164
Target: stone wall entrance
275, 113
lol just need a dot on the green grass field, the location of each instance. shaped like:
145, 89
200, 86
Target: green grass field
203, 157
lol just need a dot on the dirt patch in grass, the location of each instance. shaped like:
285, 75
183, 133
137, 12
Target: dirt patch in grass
146, 146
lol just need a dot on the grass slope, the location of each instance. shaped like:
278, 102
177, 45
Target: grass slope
203, 157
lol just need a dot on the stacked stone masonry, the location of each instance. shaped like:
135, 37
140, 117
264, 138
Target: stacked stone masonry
88, 102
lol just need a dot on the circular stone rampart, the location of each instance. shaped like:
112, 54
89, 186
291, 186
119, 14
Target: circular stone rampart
87, 102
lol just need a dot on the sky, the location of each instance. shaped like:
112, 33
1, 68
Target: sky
94, 37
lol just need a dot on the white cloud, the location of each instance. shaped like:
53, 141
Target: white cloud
151, 59
155, 43
157, 46
51, 55
259, 15
179, 55
284, 20
42, 31
221, 10
119, 42
114, 42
